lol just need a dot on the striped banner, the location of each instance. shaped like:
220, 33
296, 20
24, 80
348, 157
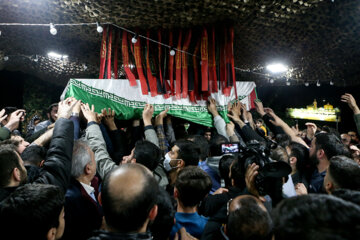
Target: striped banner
128, 101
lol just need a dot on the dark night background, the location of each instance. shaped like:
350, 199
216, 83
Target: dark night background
25, 91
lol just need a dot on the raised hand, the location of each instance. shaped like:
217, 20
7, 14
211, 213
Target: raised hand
147, 114
66, 107
230, 129
109, 118
211, 106
15, 118
350, 100
259, 107
89, 113
159, 119
2, 115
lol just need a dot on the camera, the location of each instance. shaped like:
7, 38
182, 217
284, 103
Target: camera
269, 179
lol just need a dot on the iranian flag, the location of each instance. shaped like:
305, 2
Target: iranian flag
128, 101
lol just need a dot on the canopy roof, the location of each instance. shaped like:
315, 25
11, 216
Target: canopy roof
319, 39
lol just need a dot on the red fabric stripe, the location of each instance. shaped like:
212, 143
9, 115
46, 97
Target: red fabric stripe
185, 74
103, 54
178, 68
171, 65
212, 63
125, 59
116, 55
204, 61
223, 74
232, 58
109, 54
138, 62
150, 77
196, 71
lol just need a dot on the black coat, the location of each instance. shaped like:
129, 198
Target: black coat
83, 215
57, 166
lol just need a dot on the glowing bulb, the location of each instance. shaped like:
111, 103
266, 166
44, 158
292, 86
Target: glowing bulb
53, 30
287, 83
84, 66
331, 83
271, 81
134, 39
36, 59
318, 84
99, 28
277, 68
172, 52
6, 58
306, 84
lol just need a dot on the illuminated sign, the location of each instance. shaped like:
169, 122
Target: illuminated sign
312, 112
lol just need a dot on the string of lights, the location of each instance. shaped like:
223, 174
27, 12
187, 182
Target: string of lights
172, 52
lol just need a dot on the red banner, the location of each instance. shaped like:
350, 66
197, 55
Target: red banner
222, 61
138, 63
212, 63
195, 92
204, 61
125, 59
185, 74
178, 68
150, 77
108, 70
232, 59
116, 55
171, 65
103, 54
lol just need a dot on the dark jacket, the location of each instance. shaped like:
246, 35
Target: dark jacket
83, 215
57, 166
121, 236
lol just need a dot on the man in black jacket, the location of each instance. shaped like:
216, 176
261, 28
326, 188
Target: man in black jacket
57, 166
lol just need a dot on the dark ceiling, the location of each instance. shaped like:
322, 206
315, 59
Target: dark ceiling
319, 39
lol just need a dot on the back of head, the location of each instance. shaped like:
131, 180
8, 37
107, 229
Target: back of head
8, 161
344, 172
33, 155
331, 145
31, 211
316, 216
164, 220
147, 154
202, 143
189, 152
215, 144
129, 193
301, 153
237, 173
248, 219
347, 195
80, 158
283, 139
224, 168
279, 154
193, 184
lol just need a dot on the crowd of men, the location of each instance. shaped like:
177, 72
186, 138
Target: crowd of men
82, 175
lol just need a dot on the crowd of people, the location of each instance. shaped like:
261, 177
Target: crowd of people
84, 175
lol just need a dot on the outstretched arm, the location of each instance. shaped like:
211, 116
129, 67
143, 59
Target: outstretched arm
219, 122
280, 123
350, 100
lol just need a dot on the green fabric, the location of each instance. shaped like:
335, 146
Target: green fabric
4, 134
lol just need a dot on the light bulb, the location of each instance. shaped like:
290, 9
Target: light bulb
84, 66
36, 58
331, 83
287, 83
271, 81
306, 84
134, 39
172, 52
6, 58
53, 30
99, 28
318, 84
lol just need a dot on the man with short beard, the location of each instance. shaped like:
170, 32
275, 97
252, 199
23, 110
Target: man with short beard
323, 147
52, 116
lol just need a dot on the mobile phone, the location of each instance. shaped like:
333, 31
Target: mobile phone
230, 147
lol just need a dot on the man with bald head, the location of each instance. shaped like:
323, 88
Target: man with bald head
128, 198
